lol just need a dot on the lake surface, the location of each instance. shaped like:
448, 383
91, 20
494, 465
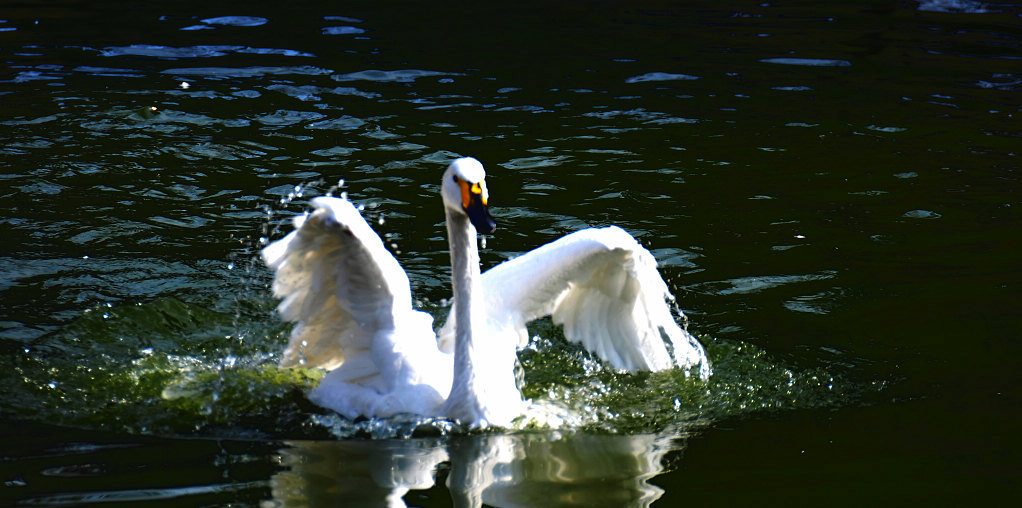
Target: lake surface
832, 192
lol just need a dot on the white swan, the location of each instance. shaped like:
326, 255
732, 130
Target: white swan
352, 307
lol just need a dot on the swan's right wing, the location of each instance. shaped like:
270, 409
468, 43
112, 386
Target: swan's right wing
604, 288
339, 284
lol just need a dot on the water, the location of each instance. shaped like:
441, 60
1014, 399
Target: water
832, 192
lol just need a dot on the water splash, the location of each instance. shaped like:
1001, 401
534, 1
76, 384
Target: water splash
209, 368
172, 368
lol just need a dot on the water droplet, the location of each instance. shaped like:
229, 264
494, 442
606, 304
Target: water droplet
230, 266
482, 242
381, 220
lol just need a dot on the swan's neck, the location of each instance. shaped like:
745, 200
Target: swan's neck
469, 318
483, 389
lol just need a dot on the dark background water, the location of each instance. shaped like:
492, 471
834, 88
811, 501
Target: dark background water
832, 191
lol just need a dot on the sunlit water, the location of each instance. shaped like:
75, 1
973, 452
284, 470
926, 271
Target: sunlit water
831, 193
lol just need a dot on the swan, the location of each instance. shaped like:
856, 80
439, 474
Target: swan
351, 304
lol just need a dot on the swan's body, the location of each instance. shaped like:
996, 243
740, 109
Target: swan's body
352, 304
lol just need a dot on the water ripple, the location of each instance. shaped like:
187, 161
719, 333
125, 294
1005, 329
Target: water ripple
921, 214
236, 21
343, 30
660, 76
310, 92
755, 284
343, 123
287, 117
109, 72
245, 72
954, 6
140, 495
396, 76
34, 121
171, 52
535, 162
168, 52
810, 62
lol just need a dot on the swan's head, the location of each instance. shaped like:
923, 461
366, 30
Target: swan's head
464, 191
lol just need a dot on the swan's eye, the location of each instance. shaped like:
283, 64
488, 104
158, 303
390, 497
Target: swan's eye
468, 190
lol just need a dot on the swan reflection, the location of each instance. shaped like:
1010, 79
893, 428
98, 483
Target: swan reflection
529, 469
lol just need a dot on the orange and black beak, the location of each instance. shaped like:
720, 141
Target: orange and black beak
473, 201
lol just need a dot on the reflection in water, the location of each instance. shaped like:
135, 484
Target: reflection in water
538, 469
356, 473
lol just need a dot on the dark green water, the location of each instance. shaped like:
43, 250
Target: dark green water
832, 192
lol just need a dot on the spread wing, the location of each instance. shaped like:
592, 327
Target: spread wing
339, 284
604, 288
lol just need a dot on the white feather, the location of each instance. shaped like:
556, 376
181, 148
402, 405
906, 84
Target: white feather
604, 288
351, 303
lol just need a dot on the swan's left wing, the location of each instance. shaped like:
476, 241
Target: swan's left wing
339, 284
604, 288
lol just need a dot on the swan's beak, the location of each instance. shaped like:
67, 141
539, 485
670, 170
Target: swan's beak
473, 201
479, 214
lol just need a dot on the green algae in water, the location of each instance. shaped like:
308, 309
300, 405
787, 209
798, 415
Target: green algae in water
173, 368
745, 380
165, 367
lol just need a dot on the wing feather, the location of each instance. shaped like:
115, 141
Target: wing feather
339, 284
604, 288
